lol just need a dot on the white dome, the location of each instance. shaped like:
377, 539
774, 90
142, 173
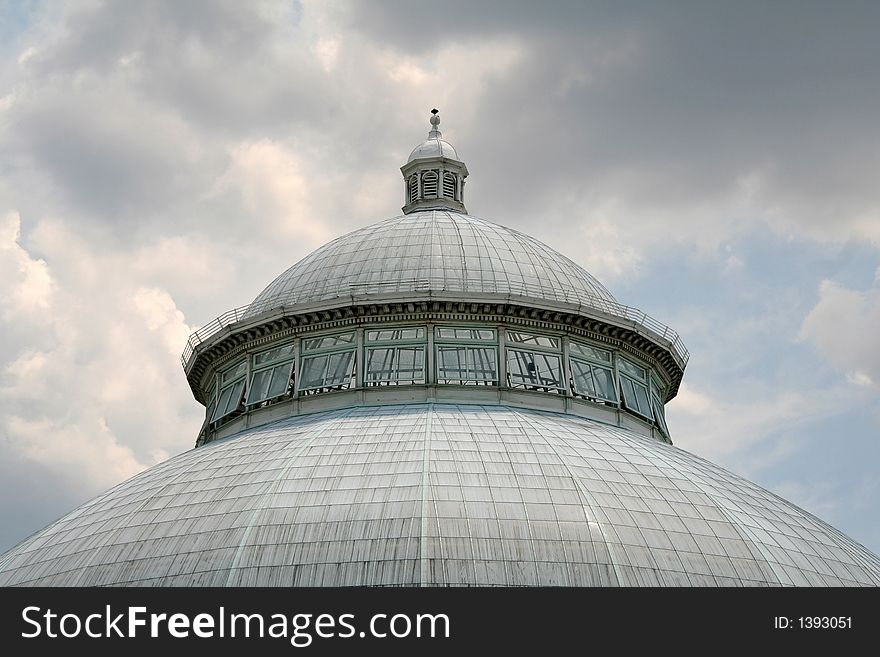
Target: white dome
434, 251
438, 495
433, 147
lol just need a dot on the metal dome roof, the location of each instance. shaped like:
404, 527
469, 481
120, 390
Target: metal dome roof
433, 147
439, 251
438, 495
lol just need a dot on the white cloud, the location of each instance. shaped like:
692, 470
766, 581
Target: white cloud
327, 52
844, 326
276, 196
718, 427
25, 282
94, 392
26, 54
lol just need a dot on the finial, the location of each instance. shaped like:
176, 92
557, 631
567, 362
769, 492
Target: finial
435, 121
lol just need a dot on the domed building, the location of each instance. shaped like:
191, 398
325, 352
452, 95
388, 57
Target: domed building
436, 400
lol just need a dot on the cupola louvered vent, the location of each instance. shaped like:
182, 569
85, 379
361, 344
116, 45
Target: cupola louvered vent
449, 186
429, 184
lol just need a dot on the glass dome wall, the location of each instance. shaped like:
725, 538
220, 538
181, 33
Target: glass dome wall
436, 354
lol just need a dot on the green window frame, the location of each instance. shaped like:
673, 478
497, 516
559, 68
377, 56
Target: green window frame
659, 408
212, 401
466, 355
536, 340
533, 361
534, 370
592, 373
328, 363
231, 392
634, 388
395, 356
272, 374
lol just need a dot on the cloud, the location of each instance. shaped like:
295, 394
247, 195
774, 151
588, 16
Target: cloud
668, 110
273, 193
28, 285
90, 381
721, 424
843, 326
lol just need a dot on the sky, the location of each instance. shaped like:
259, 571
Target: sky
714, 164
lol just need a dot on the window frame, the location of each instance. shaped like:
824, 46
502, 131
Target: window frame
312, 353
285, 360
658, 407
593, 362
418, 343
558, 386
629, 378
529, 343
237, 377
470, 345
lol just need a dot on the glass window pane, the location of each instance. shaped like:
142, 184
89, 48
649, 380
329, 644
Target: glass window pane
549, 370
582, 378
533, 369
481, 361
388, 335
230, 398
411, 364
659, 415
635, 395
234, 372
380, 364
330, 370
278, 353
339, 368
451, 364
533, 339
604, 383
642, 399
221, 403
656, 389
280, 380
259, 386
313, 371
451, 333
396, 365
629, 393
463, 364
235, 396
632, 369
592, 353
328, 341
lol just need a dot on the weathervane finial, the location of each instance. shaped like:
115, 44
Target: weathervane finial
435, 121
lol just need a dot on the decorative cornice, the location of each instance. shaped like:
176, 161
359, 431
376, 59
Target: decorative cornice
217, 351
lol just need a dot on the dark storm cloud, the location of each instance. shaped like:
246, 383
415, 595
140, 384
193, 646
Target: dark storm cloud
109, 164
228, 66
129, 110
666, 103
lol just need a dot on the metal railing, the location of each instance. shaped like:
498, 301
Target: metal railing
211, 329
634, 316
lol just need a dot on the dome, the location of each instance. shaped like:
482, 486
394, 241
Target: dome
436, 400
433, 147
435, 494
435, 251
